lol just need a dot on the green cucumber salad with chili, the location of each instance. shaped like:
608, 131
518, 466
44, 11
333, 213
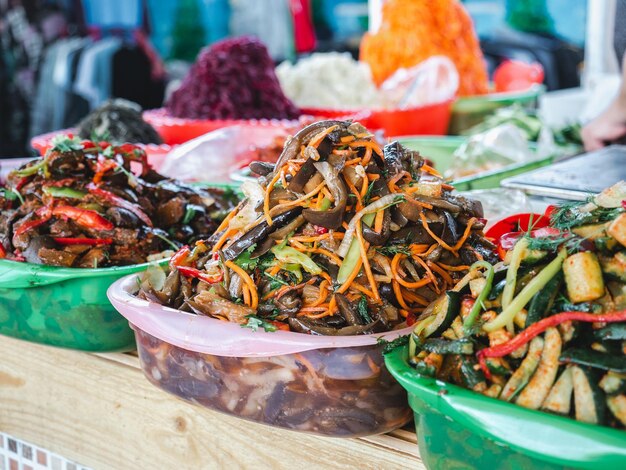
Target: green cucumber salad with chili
546, 327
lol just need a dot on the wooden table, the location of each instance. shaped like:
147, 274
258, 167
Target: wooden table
98, 410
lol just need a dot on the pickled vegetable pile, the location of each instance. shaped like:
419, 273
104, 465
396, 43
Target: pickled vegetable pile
232, 79
90, 204
545, 329
339, 237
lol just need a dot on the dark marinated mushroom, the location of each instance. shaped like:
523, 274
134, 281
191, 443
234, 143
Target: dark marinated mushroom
347, 310
331, 218
261, 168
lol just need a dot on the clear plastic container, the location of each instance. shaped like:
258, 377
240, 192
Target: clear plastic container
331, 386
472, 110
64, 307
459, 428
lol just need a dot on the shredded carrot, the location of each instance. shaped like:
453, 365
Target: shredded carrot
432, 234
309, 367
366, 263
222, 239
372, 176
312, 309
275, 269
432, 248
431, 170
248, 280
367, 157
398, 292
266, 199
368, 144
443, 273
326, 277
375, 368
283, 181
357, 268
447, 267
354, 161
312, 316
281, 207
418, 248
364, 186
404, 313
378, 221
317, 139
411, 285
413, 297
447, 186
228, 218
317, 238
359, 200
328, 195
360, 288
346, 139
323, 294
246, 294
419, 203
468, 229
391, 184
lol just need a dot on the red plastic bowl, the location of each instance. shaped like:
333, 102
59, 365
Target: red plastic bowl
178, 131
431, 119
156, 152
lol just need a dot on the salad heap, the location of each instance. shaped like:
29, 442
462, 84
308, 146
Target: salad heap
339, 237
81, 205
545, 329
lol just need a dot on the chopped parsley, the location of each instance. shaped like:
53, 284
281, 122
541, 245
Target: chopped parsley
363, 310
63, 143
393, 250
254, 323
244, 260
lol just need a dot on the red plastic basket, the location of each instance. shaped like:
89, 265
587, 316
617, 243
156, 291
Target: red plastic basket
431, 119
177, 130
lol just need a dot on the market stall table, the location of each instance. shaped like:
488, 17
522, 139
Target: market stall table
98, 409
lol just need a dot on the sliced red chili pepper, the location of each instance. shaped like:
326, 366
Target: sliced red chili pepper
3, 252
85, 217
104, 145
31, 224
103, 166
126, 148
87, 144
180, 257
320, 230
20, 184
535, 329
624, 204
411, 318
120, 202
196, 273
83, 241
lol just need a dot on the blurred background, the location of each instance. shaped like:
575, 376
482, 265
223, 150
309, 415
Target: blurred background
60, 59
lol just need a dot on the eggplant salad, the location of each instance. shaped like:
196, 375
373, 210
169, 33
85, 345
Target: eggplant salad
546, 328
339, 237
91, 204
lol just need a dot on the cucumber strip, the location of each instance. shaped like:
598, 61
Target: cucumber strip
471, 318
442, 346
617, 405
595, 359
539, 386
471, 376
559, 399
589, 400
534, 286
526, 369
614, 331
543, 300
511, 274
445, 309
353, 255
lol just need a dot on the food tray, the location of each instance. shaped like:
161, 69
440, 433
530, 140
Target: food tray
65, 307
332, 386
472, 110
440, 150
178, 131
458, 428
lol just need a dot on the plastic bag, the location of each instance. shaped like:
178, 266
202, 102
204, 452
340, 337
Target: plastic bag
433, 81
212, 157
496, 148
499, 203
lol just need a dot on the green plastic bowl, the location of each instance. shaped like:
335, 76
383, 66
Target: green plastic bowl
64, 307
441, 149
471, 110
458, 428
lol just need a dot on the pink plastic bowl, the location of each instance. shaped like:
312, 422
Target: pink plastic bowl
333, 386
175, 130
